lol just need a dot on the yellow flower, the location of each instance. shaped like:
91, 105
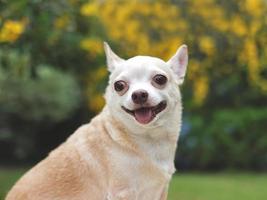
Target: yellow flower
255, 26
207, 45
200, 89
254, 7
220, 24
252, 59
12, 30
137, 24
89, 9
238, 26
168, 48
254, 67
96, 103
194, 69
62, 22
93, 46
100, 74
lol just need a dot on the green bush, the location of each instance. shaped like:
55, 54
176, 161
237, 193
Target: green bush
51, 97
28, 105
234, 139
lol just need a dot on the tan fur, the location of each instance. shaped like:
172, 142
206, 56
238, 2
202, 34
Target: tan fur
115, 156
91, 165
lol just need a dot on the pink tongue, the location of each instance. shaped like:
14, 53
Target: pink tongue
143, 115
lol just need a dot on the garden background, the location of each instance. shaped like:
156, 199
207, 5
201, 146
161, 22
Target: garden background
53, 74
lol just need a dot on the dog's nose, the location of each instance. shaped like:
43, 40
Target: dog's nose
139, 96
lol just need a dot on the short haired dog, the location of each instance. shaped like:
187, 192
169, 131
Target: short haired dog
126, 151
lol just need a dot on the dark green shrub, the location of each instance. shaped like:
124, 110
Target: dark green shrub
31, 105
234, 139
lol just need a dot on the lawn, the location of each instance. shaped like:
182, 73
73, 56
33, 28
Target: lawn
190, 186
223, 186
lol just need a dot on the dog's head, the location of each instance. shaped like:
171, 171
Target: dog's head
143, 90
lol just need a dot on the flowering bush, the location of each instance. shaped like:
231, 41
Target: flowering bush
227, 48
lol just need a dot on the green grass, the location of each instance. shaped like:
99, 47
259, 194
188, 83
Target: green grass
229, 186
223, 186
7, 178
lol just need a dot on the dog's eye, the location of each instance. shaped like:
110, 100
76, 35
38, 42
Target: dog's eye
160, 79
120, 86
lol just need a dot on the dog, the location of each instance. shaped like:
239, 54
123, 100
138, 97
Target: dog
125, 152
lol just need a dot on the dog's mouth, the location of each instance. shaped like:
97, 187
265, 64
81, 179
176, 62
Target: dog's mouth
144, 115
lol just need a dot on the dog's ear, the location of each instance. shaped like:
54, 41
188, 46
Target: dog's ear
112, 59
178, 63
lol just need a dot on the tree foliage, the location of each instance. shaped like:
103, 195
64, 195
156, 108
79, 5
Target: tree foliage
226, 75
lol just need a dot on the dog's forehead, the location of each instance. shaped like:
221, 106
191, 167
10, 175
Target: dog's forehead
147, 62
143, 66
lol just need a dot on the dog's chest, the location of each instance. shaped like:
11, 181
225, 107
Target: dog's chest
160, 152
143, 177
138, 181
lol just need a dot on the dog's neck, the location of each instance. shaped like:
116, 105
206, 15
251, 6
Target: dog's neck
158, 144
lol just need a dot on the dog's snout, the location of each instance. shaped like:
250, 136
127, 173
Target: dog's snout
140, 96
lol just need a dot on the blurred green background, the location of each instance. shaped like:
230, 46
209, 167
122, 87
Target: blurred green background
53, 75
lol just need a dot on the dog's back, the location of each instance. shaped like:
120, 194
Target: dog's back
92, 164
65, 173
